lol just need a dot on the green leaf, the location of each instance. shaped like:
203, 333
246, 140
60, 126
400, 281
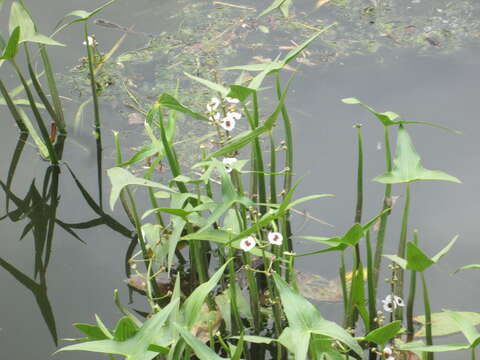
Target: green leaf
93, 332
137, 347
464, 324
240, 92
407, 165
416, 258
388, 118
445, 250
210, 84
304, 318
170, 102
81, 15
120, 178
384, 334
125, 329
20, 17
192, 306
274, 5
442, 323
397, 260
10, 50
202, 351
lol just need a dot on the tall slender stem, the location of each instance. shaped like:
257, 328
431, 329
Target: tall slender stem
411, 297
384, 219
428, 316
398, 284
96, 113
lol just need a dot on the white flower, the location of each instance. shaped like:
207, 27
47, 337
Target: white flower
213, 104
275, 238
228, 123
234, 115
248, 243
388, 353
398, 301
227, 162
232, 100
389, 304
91, 41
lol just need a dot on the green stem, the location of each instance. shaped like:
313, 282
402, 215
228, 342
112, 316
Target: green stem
398, 287
428, 316
384, 219
372, 309
96, 113
411, 297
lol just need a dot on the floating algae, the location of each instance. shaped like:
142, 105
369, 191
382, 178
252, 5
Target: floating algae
204, 37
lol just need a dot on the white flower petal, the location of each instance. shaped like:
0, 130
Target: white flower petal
275, 238
232, 100
248, 243
227, 162
228, 124
234, 115
213, 104
387, 351
91, 41
399, 301
389, 303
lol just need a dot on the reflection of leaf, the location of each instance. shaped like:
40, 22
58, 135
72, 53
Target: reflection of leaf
442, 324
40, 293
407, 165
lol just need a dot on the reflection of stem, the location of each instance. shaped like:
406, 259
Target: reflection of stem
398, 285
13, 164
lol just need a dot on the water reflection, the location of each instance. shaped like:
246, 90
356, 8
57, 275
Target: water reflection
39, 208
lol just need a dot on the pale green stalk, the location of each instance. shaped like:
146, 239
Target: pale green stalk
384, 219
428, 316
398, 284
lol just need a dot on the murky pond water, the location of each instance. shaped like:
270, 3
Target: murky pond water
421, 79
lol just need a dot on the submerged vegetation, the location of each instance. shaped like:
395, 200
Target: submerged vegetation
213, 252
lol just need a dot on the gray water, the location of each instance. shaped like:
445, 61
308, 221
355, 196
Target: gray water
435, 87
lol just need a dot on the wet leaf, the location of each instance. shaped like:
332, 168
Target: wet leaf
408, 166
